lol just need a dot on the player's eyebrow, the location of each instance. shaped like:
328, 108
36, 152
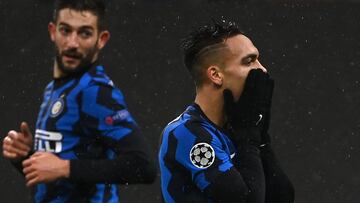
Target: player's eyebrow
86, 27
81, 27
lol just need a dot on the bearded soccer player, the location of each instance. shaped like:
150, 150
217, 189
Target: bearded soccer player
85, 140
219, 149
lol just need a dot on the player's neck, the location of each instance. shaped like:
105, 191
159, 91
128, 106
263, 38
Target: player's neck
211, 103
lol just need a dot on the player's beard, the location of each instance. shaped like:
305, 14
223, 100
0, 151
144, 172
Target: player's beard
85, 60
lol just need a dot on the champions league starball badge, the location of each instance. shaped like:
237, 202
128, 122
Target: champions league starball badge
202, 155
57, 107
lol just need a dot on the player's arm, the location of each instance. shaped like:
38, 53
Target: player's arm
244, 183
104, 113
222, 180
250, 118
132, 164
279, 188
245, 119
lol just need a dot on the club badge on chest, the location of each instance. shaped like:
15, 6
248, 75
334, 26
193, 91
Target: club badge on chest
57, 106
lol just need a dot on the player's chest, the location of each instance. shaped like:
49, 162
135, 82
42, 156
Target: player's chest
58, 110
57, 121
60, 107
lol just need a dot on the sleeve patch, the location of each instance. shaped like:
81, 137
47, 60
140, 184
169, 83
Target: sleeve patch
118, 117
202, 155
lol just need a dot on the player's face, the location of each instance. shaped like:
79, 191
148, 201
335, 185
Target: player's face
244, 56
77, 39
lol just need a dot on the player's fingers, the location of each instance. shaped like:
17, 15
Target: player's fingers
9, 155
24, 127
31, 175
27, 163
12, 134
19, 152
32, 182
16, 139
21, 146
16, 136
36, 154
7, 140
28, 169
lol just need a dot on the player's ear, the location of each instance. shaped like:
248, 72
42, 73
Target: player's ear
104, 37
52, 30
215, 75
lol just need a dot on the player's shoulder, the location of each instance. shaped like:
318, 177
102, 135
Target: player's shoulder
96, 80
97, 76
190, 126
49, 86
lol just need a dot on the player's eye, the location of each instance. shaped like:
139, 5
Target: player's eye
85, 33
248, 61
64, 30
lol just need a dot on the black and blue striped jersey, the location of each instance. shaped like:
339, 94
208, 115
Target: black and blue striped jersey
193, 152
84, 117
202, 162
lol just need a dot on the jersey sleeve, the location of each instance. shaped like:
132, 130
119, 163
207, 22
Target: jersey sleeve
201, 152
105, 116
104, 112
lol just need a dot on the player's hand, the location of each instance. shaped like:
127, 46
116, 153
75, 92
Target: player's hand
17, 145
252, 110
43, 167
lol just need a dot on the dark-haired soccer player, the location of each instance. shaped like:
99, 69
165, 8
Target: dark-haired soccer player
219, 150
85, 141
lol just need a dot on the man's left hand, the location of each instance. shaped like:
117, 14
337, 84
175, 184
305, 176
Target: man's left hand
43, 167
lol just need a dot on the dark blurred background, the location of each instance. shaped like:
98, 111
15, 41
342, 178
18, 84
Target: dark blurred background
311, 48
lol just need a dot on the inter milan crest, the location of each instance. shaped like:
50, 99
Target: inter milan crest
57, 107
202, 155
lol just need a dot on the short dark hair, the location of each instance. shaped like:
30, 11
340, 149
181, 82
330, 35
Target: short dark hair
97, 7
202, 40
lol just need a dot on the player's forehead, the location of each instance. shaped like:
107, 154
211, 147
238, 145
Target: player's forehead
241, 46
76, 18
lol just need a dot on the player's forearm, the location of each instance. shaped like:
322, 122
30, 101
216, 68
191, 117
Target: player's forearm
279, 188
248, 161
127, 168
228, 187
252, 171
245, 183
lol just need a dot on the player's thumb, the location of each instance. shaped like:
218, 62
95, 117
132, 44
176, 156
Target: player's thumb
24, 127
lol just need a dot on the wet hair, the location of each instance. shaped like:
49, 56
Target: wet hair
96, 7
202, 45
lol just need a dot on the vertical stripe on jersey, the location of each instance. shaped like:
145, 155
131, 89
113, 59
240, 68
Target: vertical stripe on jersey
46, 103
55, 94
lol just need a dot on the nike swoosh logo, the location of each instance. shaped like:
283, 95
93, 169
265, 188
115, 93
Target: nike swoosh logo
232, 155
260, 117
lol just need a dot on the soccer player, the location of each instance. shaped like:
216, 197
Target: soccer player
218, 149
85, 141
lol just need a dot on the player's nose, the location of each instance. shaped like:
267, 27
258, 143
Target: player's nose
72, 41
260, 66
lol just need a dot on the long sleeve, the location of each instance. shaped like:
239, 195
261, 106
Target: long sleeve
114, 133
132, 164
279, 188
